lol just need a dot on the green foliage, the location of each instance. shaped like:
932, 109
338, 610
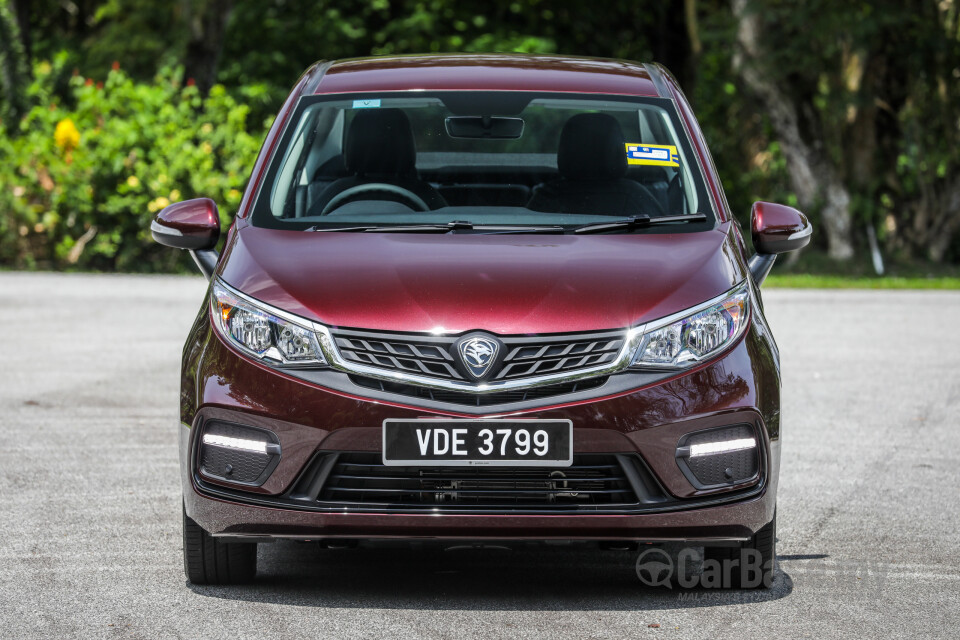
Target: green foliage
751, 164
873, 82
811, 281
159, 42
80, 183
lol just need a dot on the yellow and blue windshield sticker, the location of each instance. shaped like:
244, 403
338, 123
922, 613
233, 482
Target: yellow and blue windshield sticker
657, 155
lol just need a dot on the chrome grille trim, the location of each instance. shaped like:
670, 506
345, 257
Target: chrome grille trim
617, 349
500, 398
526, 356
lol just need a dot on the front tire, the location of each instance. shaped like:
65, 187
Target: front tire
207, 560
763, 545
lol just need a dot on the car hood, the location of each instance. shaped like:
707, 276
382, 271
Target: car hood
505, 284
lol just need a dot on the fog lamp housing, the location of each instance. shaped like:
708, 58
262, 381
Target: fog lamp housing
720, 457
237, 454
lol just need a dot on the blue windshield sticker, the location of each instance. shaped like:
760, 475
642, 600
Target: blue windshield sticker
657, 155
366, 104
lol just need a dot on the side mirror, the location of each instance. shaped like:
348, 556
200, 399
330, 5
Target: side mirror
193, 225
775, 229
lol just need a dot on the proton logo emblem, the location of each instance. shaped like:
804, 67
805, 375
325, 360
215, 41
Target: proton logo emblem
477, 354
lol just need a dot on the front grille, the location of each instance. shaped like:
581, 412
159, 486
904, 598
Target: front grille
420, 355
434, 356
362, 479
567, 354
479, 399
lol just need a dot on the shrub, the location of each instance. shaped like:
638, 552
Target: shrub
81, 177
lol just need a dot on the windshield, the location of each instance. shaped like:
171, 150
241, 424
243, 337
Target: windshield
498, 159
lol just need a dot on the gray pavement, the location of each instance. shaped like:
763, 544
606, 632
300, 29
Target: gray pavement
869, 507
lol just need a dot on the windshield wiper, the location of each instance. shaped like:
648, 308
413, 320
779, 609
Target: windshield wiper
456, 225
416, 228
639, 222
495, 230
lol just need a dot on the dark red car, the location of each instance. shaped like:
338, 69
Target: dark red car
480, 297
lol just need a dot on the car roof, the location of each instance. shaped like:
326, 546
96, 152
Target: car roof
482, 72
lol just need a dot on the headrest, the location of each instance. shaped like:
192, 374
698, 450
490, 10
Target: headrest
648, 173
380, 142
591, 148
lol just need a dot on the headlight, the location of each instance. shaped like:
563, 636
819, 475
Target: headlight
260, 331
689, 337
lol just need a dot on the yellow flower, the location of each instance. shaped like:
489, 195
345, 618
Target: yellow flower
156, 204
206, 147
175, 195
133, 182
66, 135
233, 195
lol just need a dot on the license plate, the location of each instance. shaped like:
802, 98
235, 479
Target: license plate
467, 443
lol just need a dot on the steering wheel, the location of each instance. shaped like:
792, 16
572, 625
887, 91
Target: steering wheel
653, 199
409, 196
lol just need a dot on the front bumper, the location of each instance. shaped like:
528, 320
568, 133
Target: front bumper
741, 387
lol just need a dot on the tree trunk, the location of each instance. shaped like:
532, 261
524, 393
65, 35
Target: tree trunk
21, 10
950, 214
935, 219
207, 20
813, 178
696, 45
13, 70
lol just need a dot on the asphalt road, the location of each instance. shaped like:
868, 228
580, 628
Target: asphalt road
869, 507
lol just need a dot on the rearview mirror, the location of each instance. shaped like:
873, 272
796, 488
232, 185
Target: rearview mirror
193, 225
494, 127
775, 229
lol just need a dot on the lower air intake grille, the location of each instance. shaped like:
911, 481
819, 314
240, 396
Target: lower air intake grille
362, 479
358, 482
